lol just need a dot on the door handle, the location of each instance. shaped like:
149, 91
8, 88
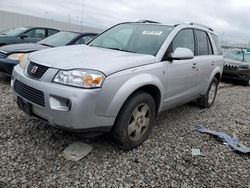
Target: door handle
213, 63
194, 66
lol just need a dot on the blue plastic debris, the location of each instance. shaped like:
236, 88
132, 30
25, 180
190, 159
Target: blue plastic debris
232, 141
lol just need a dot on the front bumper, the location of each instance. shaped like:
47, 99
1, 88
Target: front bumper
239, 74
7, 65
81, 115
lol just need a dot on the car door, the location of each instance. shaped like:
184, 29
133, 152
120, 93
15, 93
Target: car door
33, 35
204, 57
182, 75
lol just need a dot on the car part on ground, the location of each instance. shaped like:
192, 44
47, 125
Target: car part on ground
10, 55
232, 141
122, 79
76, 151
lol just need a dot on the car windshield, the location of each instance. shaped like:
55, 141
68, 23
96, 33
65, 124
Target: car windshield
14, 31
135, 38
238, 55
59, 39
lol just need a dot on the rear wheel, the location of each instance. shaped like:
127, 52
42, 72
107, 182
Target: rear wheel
207, 100
134, 121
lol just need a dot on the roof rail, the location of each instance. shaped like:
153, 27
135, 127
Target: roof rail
147, 21
209, 28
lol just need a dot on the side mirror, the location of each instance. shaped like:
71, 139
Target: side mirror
23, 36
182, 54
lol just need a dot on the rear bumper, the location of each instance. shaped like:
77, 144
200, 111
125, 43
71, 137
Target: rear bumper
79, 117
7, 65
240, 74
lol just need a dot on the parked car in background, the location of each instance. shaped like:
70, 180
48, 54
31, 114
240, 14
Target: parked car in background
25, 35
121, 79
237, 65
10, 54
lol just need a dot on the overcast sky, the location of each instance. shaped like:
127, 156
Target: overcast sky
228, 16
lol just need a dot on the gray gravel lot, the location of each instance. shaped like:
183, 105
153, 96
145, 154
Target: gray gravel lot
30, 150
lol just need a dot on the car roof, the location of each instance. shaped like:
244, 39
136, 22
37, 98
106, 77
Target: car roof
32, 27
187, 24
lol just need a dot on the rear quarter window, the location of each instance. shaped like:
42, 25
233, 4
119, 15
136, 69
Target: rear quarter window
217, 43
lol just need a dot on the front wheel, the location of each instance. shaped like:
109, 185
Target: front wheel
207, 100
134, 121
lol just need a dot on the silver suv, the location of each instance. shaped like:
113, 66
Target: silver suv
120, 81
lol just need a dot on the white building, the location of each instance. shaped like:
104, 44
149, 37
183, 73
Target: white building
11, 20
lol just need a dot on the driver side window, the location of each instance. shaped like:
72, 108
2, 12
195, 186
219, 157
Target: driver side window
184, 39
118, 40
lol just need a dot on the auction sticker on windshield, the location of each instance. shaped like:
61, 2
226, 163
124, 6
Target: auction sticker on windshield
152, 33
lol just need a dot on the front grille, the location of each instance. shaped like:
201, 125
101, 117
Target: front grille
230, 66
36, 71
2, 55
29, 93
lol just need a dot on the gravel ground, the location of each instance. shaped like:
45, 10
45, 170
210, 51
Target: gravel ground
30, 151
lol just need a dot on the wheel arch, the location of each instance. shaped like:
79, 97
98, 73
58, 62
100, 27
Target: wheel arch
147, 83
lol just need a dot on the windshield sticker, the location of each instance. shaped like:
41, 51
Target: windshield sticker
158, 33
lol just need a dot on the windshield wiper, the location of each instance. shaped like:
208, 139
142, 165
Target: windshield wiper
118, 49
46, 45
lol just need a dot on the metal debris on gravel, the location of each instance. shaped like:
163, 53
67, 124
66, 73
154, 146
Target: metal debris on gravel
30, 150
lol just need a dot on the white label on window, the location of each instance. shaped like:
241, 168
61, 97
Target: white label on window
158, 33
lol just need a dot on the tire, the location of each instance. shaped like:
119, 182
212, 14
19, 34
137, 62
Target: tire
207, 100
134, 121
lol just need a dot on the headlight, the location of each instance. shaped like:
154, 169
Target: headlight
15, 56
23, 60
80, 78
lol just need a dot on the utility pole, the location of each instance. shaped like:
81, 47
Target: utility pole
82, 15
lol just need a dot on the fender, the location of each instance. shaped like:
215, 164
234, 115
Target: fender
215, 71
117, 98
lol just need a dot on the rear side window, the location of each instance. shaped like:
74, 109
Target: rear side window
217, 44
202, 42
184, 39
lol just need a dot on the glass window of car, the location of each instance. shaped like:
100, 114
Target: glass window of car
238, 55
217, 44
35, 33
247, 57
51, 32
59, 39
134, 37
184, 39
14, 31
202, 42
84, 39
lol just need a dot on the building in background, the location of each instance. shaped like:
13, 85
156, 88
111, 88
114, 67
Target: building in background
11, 20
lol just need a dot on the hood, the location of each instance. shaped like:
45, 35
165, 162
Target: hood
25, 47
88, 57
233, 62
